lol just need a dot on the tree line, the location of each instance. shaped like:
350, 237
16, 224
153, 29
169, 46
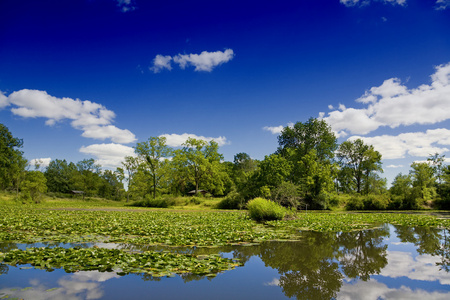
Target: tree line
309, 169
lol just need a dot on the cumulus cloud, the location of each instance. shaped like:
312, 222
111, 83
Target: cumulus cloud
350, 3
442, 4
420, 144
176, 140
373, 290
126, 5
277, 129
274, 129
393, 104
92, 118
108, 155
161, 62
394, 166
205, 61
42, 162
3, 100
109, 132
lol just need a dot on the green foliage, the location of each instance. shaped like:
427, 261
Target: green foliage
33, 186
233, 200
12, 163
153, 263
368, 202
199, 163
153, 155
260, 209
358, 163
287, 194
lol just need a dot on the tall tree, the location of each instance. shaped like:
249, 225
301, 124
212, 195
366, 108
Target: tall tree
423, 181
11, 158
359, 161
312, 135
130, 164
154, 154
199, 162
60, 176
310, 148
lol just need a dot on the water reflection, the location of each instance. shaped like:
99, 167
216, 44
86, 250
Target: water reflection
386, 262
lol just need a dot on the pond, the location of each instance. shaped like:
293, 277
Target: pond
389, 262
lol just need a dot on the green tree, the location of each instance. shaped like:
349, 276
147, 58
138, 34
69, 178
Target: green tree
154, 154
87, 179
401, 189
130, 164
310, 148
423, 181
358, 161
312, 135
33, 186
199, 162
59, 175
12, 163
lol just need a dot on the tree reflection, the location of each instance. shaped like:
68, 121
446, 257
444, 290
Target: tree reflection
309, 269
362, 253
428, 240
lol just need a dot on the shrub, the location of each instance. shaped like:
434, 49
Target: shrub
233, 200
355, 203
264, 210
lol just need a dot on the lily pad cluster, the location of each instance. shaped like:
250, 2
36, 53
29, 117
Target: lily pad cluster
22, 225
154, 263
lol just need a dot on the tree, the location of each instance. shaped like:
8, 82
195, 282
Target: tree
154, 154
312, 135
423, 181
11, 158
34, 186
87, 179
199, 162
60, 176
359, 161
130, 164
310, 148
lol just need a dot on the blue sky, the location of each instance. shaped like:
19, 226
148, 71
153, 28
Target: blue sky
90, 78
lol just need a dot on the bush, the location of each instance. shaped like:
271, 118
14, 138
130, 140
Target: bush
233, 200
368, 202
264, 210
355, 203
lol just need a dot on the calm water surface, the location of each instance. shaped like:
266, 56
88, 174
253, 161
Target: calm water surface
391, 262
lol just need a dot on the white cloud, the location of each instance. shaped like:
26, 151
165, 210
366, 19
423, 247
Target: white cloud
350, 3
92, 118
108, 155
161, 62
274, 282
176, 140
393, 105
394, 166
205, 61
42, 162
109, 132
442, 4
420, 144
3, 100
374, 290
126, 5
422, 267
274, 130
277, 129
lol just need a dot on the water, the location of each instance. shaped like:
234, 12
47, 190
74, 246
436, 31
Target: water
391, 262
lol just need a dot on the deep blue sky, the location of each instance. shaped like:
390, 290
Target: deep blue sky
290, 61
